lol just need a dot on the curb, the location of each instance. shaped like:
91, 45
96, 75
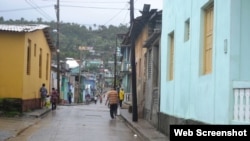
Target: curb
44, 114
38, 117
135, 129
144, 130
41, 115
38, 113
25, 128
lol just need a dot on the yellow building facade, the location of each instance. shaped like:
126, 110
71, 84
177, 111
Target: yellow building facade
25, 62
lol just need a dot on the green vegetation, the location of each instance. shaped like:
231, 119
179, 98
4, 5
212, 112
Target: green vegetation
11, 114
10, 107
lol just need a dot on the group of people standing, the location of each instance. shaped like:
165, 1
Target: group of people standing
54, 96
114, 98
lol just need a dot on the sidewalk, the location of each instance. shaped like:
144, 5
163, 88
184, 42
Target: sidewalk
11, 127
143, 128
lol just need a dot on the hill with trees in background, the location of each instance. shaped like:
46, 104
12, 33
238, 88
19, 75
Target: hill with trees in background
72, 35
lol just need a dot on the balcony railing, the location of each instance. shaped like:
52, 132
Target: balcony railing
108, 75
128, 97
242, 105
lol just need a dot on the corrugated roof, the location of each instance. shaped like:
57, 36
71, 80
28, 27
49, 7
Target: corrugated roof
22, 28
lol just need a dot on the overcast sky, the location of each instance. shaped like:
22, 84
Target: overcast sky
84, 12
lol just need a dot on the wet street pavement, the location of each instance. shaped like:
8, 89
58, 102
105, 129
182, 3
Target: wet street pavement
78, 123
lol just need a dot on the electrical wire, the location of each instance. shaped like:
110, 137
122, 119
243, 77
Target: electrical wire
48, 17
93, 2
125, 8
91, 7
65, 1
127, 13
38, 9
23, 9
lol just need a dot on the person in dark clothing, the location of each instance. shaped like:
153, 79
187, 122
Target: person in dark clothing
43, 95
53, 99
95, 99
87, 98
70, 96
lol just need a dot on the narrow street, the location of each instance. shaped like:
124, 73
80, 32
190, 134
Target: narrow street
78, 123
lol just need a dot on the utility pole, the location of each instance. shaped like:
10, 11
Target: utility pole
131, 12
133, 67
58, 49
79, 96
79, 78
115, 63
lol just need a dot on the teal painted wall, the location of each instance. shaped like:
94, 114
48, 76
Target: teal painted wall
240, 34
191, 95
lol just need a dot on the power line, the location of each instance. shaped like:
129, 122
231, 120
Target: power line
23, 9
42, 10
92, 7
38, 9
34, 6
93, 2
65, 1
125, 8
126, 15
48, 6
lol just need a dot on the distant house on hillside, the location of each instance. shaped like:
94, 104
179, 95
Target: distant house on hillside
72, 62
96, 62
25, 62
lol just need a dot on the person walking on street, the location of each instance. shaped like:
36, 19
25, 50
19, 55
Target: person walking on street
95, 99
43, 95
100, 99
53, 98
112, 98
87, 98
70, 96
121, 97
